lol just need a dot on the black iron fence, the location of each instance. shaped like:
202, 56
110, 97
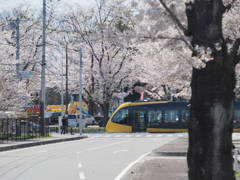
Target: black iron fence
12, 129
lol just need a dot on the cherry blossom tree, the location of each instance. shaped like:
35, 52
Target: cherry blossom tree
16, 90
212, 39
105, 53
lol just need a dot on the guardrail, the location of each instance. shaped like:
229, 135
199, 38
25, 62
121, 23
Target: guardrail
12, 129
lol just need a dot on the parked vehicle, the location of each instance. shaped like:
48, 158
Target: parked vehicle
54, 117
48, 116
90, 119
73, 120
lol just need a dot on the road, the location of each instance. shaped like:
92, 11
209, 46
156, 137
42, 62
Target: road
100, 156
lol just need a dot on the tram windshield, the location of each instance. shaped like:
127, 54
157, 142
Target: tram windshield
121, 117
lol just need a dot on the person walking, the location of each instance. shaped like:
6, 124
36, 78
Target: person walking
64, 124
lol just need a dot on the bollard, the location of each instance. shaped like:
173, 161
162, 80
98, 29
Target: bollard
236, 160
71, 130
56, 129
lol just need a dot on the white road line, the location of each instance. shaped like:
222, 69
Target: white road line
79, 165
149, 135
180, 135
117, 136
169, 135
138, 136
103, 146
81, 175
45, 145
128, 167
120, 151
157, 139
96, 136
159, 135
128, 135
107, 136
42, 151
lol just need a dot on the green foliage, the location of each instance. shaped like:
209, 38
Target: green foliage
121, 26
94, 129
36, 23
23, 137
23, 17
84, 130
237, 174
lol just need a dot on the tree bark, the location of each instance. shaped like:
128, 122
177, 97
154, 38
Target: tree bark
91, 107
105, 107
210, 127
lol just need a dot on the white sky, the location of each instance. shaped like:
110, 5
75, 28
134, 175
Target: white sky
9, 3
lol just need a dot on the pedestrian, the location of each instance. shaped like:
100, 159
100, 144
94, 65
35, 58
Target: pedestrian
64, 124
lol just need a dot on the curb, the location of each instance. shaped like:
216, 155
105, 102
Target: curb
168, 154
31, 144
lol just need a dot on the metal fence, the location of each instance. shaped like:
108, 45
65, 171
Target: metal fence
12, 129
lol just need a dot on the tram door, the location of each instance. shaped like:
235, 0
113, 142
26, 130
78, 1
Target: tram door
139, 117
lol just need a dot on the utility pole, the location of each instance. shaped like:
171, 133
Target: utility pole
66, 111
62, 86
123, 79
80, 92
42, 102
18, 49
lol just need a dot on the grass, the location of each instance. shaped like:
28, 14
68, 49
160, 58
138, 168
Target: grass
84, 129
23, 137
237, 174
94, 129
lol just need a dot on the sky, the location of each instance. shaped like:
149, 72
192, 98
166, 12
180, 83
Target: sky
9, 3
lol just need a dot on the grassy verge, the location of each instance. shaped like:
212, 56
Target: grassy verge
237, 174
23, 137
94, 129
84, 130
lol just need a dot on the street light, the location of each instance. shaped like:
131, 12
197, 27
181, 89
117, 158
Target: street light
62, 103
62, 87
42, 102
80, 92
123, 77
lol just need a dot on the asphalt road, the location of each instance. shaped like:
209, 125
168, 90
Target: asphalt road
100, 156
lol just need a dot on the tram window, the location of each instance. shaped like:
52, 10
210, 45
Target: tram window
236, 116
185, 116
171, 116
121, 117
154, 116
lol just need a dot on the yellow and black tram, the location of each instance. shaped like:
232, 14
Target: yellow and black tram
159, 116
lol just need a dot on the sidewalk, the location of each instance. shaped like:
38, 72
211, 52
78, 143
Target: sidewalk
56, 137
166, 162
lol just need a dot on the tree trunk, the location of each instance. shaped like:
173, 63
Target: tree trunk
91, 107
105, 108
210, 128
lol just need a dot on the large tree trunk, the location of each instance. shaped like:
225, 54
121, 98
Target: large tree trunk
210, 128
91, 107
105, 108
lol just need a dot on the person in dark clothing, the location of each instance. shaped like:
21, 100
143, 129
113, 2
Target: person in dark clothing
64, 124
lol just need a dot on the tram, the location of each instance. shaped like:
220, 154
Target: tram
159, 116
